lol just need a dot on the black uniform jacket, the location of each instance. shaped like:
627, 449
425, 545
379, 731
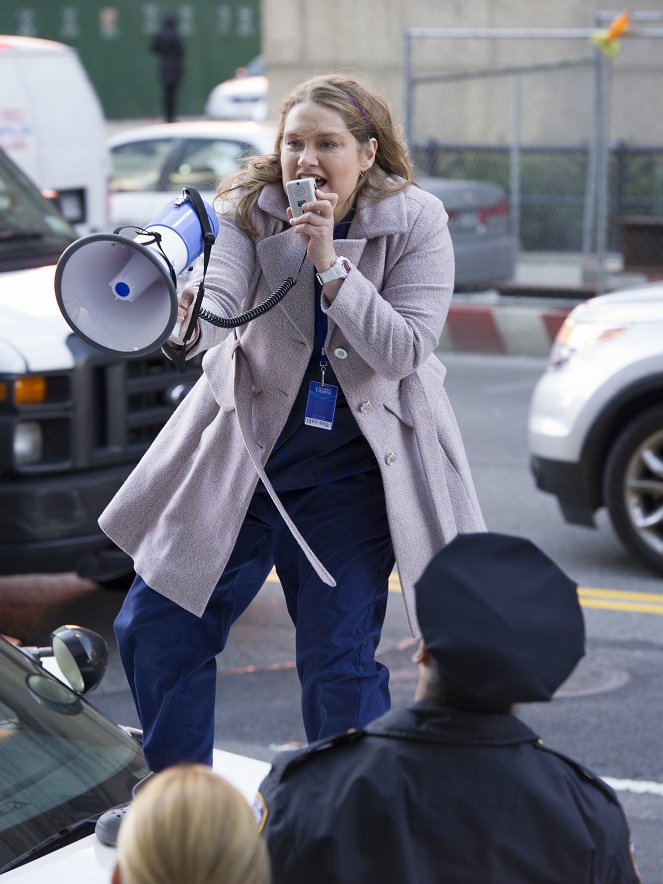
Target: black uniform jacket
439, 796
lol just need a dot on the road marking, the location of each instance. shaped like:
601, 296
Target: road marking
618, 600
605, 599
641, 787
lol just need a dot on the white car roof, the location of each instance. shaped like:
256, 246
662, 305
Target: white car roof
243, 130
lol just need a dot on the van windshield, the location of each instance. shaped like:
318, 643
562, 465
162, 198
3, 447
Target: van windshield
32, 232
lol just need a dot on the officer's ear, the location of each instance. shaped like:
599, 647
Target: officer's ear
421, 655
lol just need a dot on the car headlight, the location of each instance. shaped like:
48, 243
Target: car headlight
575, 336
28, 442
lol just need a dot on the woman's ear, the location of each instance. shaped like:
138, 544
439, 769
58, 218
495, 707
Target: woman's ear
117, 877
369, 150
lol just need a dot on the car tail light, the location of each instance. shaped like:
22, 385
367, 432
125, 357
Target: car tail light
498, 209
478, 218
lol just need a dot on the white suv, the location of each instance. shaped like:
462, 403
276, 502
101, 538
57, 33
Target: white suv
596, 418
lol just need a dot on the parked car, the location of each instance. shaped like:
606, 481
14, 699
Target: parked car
151, 163
479, 223
596, 418
243, 97
63, 764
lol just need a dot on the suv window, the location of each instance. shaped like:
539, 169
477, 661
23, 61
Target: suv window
32, 232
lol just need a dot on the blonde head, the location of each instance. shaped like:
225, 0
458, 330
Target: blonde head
366, 115
189, 826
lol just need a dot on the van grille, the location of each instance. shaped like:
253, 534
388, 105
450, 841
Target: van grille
119, 405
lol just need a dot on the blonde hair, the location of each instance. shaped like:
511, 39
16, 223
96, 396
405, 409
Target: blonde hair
189, 826
366, 115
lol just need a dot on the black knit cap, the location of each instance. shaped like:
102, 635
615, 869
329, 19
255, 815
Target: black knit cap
500, 619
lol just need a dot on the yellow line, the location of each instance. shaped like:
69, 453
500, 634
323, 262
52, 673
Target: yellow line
605, 599
620, 593
621, 606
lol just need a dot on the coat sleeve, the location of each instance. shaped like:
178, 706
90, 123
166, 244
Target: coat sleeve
275, 827
395, 330
618, 864
229, 280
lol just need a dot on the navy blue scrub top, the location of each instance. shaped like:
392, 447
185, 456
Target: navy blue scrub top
306, 456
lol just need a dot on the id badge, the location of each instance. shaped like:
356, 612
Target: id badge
320, 405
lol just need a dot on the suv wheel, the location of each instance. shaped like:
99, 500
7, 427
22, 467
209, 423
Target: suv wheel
633, 488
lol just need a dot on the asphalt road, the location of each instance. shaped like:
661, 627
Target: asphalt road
607, 716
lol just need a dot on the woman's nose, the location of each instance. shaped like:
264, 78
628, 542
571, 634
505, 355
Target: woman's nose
306, 157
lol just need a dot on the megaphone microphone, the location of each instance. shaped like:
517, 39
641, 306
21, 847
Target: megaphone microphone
120, 294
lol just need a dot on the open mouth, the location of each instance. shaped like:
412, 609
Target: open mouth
319, 182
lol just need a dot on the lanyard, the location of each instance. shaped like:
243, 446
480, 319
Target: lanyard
321, 326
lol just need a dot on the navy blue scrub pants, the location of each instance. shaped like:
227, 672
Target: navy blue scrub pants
169, 654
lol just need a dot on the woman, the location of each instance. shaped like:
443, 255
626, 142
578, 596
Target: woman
189, 825
238, 481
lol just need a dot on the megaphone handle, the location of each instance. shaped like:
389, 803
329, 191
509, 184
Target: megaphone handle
180, 328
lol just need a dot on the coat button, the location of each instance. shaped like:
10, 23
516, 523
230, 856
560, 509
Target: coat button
365, 406
341, 353
390, 458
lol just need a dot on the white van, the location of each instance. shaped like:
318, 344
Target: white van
53, 127
73, 421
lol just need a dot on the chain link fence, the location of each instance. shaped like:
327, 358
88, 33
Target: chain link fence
571, 132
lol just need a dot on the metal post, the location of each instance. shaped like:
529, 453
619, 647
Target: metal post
515, 157
589, 213
603, 128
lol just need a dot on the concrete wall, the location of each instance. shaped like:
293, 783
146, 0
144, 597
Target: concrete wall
304, 37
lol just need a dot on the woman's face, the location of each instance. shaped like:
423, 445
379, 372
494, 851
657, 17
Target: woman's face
316, 144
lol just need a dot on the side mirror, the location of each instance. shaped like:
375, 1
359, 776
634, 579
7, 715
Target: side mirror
81, 656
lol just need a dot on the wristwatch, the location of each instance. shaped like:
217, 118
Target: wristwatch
339, 270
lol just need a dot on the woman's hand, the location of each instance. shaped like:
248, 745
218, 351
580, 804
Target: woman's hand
184, 303
317, 223
186, 300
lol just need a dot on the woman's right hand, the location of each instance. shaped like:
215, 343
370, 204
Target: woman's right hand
186, 300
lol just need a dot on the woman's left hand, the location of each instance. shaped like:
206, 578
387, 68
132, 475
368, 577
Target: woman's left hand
317, 223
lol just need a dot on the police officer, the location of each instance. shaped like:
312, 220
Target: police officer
455, 788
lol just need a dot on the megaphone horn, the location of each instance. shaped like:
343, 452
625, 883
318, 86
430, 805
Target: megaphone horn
120, 294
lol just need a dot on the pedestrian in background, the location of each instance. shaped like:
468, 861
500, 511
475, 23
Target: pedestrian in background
253, 472
168, 45
455, 788
189, 826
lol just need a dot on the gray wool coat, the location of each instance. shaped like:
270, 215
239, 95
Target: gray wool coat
179, 512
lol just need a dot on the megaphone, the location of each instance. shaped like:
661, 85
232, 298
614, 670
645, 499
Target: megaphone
120, 294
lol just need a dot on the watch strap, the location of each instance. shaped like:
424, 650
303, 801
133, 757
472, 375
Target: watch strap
339, 270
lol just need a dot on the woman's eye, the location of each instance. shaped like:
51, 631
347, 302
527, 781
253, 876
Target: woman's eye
327, 144
294, 145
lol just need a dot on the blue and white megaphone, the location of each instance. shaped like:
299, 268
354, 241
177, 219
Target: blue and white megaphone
120, 294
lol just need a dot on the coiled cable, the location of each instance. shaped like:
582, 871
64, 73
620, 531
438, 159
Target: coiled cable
243, 318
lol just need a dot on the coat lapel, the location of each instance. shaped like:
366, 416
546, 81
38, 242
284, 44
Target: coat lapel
281, 256
283, 253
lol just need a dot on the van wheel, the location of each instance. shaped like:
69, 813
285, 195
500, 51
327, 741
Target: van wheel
633, 488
